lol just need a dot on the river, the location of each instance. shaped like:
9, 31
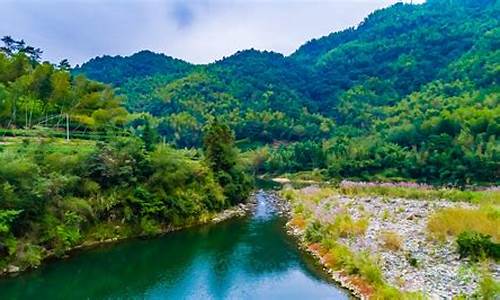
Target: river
245, 258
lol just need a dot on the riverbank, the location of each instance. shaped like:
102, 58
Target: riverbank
381, 247
239, 210
241, 258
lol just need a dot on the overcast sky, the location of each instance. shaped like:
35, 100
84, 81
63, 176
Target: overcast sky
198, 31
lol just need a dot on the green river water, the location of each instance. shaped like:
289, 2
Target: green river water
245, 258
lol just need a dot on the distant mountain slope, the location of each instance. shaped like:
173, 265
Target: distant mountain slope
343, 83
117, 70
137, 76
405, 45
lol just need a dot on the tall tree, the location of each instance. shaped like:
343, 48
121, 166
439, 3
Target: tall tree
222, 158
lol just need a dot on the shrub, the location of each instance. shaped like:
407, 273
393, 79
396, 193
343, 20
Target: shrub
411, 260
28, 255
298, 222
338, 256
313, 232
369, 270
391, 240
149, 226
477, 245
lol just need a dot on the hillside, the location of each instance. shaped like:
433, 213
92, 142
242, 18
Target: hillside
412, 91
138, 75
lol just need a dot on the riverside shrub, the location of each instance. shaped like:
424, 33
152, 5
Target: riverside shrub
477, 245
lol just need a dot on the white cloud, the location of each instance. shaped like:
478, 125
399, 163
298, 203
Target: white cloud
197, 31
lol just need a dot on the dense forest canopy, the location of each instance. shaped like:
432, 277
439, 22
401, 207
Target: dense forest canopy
411, 92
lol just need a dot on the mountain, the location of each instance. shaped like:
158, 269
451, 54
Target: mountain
137, 75
405, 45
117, 70
411, 91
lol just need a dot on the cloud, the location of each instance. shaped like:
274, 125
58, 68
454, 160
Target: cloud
182, 14
199, 31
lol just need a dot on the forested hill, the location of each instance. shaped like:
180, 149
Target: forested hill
117, 69
412, 91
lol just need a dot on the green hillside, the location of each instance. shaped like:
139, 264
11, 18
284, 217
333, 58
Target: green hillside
410, 92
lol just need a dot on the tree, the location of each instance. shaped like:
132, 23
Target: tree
12, 47
222, 157
148, 135
64, 65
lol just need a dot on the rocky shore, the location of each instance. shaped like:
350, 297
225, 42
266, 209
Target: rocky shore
419, 264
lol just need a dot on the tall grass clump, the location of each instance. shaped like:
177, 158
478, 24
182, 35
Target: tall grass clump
391, 240
453, 221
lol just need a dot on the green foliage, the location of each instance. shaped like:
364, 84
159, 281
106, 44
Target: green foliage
489, 288
476, 245
118, 70
6, 218
28, 255
149, 226
221, 156
40, 94
55, 196
313, 232
426, 110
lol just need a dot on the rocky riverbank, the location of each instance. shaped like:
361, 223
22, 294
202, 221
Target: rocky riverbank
415, 263
239, 210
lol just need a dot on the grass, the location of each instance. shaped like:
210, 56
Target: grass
477, 197
490, 197
453, 221
365, 271
391, 240
344, 226
423, 192
321, 238
315, 194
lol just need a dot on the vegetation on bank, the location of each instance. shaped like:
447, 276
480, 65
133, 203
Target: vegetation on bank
56, 195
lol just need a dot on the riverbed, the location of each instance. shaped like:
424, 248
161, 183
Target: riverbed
250, 257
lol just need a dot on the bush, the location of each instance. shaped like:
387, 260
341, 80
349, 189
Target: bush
477, 245
411, 260
28, 255
150, 226
313, 233
345, 226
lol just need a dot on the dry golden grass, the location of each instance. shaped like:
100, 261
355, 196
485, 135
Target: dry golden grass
298, 222
391, 240
453, 221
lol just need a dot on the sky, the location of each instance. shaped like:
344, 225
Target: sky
198, 31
